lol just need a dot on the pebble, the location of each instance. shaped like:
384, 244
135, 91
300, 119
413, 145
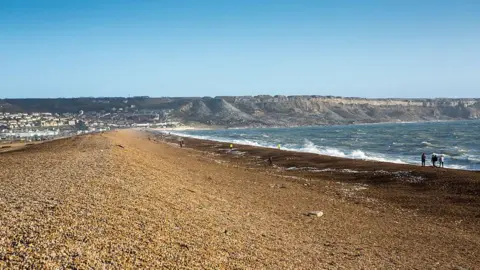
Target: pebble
315, 213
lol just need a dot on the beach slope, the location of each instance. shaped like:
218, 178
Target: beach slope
125, 200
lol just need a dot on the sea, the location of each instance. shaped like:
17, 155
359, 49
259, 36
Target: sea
458, 141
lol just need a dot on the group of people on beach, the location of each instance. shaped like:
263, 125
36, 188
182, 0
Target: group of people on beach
440, 159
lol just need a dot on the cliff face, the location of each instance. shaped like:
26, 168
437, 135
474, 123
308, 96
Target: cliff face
312, 110
269, 110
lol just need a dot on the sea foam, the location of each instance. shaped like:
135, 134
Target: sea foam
308, 147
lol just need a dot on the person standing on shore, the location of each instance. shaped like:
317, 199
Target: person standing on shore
424, 159
440, 161
434, 160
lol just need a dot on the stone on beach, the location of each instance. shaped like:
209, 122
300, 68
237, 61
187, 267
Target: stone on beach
315, 213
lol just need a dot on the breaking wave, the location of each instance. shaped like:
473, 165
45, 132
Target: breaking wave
308, 147
395, 143
429, 144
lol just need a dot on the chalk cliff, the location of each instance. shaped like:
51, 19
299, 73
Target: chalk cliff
314, 110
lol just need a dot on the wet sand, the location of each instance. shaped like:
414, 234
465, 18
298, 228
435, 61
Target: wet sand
128, 199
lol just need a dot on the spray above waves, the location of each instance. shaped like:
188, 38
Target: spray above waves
310, 147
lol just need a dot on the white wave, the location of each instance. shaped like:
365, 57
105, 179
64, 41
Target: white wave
473, 158
357, 154
427, 143
460, 150
458, 167
309, 147
467, 158
245, 142
218, 139
398, 143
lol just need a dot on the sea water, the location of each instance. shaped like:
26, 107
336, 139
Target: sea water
458, 141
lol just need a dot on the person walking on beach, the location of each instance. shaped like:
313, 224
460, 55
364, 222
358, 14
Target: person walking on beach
440, 161
424, 159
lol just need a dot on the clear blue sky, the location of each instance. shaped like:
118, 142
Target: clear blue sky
384, 48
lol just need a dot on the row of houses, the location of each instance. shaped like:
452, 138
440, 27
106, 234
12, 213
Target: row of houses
40, 135
25, 123
25, 120
35, 126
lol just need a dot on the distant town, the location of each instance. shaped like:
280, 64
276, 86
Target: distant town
39, 126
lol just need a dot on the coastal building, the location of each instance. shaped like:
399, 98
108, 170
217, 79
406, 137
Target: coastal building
141, 125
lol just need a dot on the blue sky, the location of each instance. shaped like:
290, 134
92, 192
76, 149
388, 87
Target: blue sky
382, 48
